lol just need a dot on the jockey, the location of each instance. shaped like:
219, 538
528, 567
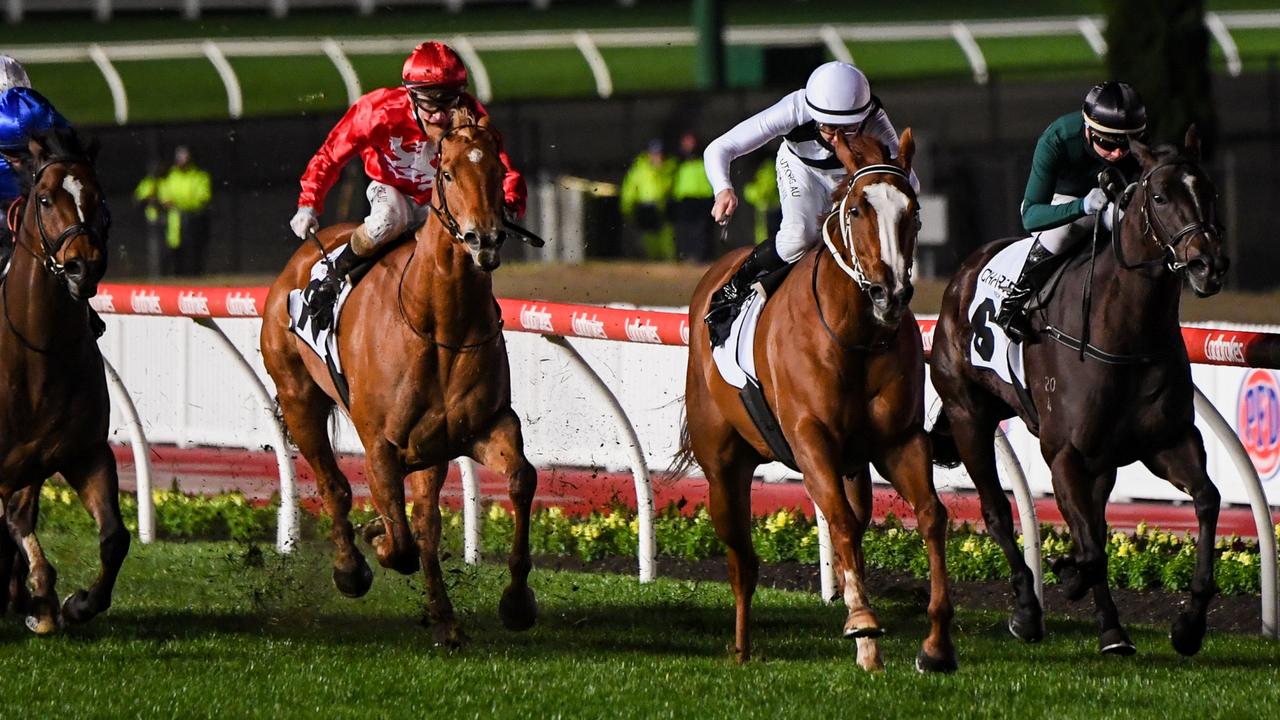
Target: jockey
388, 128
1063, 201
23, 111
836, 99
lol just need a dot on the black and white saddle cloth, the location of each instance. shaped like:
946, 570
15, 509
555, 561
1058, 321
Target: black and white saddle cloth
318, 327
991, 348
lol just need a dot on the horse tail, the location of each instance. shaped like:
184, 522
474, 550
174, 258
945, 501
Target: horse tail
684, 460
945, 452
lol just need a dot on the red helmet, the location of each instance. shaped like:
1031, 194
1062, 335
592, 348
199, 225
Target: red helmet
434, 64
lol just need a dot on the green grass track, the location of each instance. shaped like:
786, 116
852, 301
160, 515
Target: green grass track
211, 630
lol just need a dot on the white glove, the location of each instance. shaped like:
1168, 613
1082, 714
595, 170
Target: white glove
304, 221
1106, 212
1094, 201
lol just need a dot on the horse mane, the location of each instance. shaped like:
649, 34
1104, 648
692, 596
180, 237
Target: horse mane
63, 143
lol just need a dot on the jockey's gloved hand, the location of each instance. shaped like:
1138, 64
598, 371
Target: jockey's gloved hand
1094, 201
1106, 214
304, 221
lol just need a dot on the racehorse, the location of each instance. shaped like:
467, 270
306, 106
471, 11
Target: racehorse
838, 355
1126, 397
420, 340
55, 411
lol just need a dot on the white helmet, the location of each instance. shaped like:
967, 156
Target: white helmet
838, 94
12, 74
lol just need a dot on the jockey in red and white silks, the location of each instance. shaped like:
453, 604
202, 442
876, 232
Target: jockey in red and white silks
387, 127
836, 99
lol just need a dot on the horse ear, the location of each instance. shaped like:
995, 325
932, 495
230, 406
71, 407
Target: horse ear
1140, 151
1191, 143
483, 121
845, 154
37, 149
906, 149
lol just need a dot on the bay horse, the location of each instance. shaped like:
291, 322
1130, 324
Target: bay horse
1126, 398
54, 413
839, 358
421, 342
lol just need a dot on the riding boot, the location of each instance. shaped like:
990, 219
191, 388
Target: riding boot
323, 293
727, 301
1012, 316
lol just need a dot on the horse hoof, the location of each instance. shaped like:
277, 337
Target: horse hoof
944, 663
518, 608
75, 608
1187, 634
373, 530
862, 623
1027, 627
1116, 642
449, 635
41, 626
354, 583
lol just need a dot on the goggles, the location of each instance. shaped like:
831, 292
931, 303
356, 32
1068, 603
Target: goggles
1109, 143
848, 131
434, 97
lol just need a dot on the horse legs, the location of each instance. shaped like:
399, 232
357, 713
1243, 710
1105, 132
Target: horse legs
425, 487
857, 491
908, 466
502, 450
729, 501
13, 563
389, 534
95, 482
974, 434
306, 411
1112, 639
1183, 464
815, 452
42, 603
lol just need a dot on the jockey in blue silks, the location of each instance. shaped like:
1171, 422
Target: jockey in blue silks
23, 111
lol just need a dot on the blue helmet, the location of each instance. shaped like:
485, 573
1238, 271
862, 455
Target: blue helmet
23, 112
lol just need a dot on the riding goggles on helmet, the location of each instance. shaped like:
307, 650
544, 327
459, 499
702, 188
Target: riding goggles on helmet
434, 96
1109, 143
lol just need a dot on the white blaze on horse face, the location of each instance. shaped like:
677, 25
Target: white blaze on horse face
475, 155
73, 186
890, 204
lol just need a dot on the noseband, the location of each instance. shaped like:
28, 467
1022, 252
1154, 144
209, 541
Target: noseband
854, 270
1154, 228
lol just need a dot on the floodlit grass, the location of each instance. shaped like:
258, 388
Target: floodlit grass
535, 74
76, 89
904, 60
274, 86
212, 629
170, 90
650, 69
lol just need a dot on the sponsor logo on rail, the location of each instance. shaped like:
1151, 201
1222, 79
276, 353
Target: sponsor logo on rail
1258, 420
684, 331
192, 302
533, 318
103, 302
242, 303
584, 326
1224, 348
145, 302
640, 330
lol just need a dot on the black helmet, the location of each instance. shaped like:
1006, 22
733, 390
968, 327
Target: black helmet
1114, 108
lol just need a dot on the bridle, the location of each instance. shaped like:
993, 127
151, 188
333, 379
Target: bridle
854, 268
1154, 228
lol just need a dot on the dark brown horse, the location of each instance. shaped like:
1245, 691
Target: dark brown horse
839, 358
54, 412
421, 343
1128, 398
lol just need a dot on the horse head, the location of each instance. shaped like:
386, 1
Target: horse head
1175, 202
469, 187
875, 212
64, 224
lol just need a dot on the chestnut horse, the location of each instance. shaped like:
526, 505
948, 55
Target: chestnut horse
1127, 398
421, 342
54, 414
839, 357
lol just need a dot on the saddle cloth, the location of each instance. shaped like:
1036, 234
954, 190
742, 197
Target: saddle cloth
736, 360
991, 348
324, 341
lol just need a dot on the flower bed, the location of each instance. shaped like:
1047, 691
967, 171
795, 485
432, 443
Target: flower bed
1144, 560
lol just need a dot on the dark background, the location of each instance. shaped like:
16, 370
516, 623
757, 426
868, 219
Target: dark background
975, 145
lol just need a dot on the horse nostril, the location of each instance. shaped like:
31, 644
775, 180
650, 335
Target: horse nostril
879, 294
75, 269
471, 238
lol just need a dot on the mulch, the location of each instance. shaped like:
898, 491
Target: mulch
1227, 613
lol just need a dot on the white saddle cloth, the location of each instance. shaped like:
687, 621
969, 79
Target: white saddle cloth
736, 360
991, 348
323, 342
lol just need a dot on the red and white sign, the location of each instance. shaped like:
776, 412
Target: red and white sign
1258, 420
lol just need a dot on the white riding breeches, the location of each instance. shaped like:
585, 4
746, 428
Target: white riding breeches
805, 192
1058, 239
390, 213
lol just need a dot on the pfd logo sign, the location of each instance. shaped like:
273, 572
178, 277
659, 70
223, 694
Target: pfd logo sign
1258, 421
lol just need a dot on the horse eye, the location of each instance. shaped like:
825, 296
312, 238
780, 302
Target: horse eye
448, 176
44, 200
854, 211
1160, 200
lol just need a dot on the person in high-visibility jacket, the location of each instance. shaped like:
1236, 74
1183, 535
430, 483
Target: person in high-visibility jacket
147, 194
762, 193
643, 201
185, 193
691, 201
